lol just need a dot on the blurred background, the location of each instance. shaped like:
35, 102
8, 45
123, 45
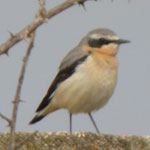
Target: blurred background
127, 111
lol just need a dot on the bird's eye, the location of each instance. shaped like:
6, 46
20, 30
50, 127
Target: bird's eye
98, 42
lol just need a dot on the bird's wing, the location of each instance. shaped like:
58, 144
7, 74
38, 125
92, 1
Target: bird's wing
66, 69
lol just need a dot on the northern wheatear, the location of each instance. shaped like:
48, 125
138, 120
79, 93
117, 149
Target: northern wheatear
87, 77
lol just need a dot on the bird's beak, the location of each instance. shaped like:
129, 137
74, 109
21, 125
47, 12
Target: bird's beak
121, 41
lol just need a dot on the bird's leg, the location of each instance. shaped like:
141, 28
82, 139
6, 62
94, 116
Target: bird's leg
70, 122
93, 122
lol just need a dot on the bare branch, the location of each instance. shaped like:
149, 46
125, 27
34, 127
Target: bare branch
6, 119
39, 20
18, 92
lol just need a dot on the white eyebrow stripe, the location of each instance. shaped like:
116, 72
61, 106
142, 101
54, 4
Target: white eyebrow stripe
113, 37
98, 36
95, 36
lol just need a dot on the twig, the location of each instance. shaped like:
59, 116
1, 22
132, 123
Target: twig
39, 20
5, 118
18, 92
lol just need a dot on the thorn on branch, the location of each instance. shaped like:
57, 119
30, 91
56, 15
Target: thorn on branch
22, 101
14, 102
6, 53
11, 34
79, 2
82, 4
41, 14
42, 3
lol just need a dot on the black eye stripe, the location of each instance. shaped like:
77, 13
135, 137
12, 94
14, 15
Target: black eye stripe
100, 42
104, 41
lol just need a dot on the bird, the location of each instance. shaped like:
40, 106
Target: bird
86, 78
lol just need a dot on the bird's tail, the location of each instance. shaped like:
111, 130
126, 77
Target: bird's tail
36, 119
43, 113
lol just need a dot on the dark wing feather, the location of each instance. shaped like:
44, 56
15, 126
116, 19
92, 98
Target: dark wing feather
61, 76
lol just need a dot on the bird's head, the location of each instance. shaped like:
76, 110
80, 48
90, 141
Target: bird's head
103, 40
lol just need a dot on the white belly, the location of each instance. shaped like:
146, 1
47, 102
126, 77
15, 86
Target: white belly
88, 89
